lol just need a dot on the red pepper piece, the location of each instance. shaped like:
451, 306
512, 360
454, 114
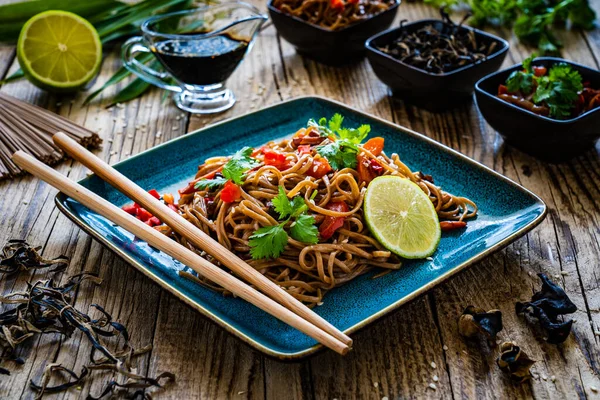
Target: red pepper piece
319, 168
130, 209
332, 224
452, 225
153, 221
143, 214
231, 192
304, 149
154, 193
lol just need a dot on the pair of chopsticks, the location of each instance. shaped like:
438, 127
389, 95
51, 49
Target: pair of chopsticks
279, 304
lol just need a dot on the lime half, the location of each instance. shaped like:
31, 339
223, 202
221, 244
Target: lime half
59, 51
401, 217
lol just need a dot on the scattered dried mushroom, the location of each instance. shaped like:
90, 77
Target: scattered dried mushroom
475, 321
545, 307
45, 308
18, 255
514, 361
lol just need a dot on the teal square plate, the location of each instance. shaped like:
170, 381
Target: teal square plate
506, 212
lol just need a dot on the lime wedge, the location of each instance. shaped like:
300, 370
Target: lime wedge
401, 217
59, 51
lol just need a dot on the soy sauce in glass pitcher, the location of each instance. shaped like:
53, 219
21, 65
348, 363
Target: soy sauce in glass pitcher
199, 50
203, 62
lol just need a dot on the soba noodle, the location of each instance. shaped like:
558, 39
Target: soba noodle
326, 15
306, 271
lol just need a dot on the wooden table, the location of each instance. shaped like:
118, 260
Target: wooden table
393, 358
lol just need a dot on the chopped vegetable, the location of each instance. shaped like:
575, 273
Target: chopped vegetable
341, 152
304, 149
303, 229
240, 162
452, 225
143, 214
556, 92
231, 192
168, 198
234, 170
154, 193
337, 4
270, 241
331, 224
532, 20
210, 184
275, 159
320, 167
285, 207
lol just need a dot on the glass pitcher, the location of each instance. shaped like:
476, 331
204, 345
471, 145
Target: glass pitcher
199, 49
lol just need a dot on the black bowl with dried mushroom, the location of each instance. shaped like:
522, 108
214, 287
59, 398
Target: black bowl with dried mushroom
434, 64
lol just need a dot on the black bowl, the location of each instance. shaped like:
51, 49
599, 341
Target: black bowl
543, 137
324, 45
435, 92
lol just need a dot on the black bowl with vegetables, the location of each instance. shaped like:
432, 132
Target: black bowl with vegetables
339, 45
549, 108
418, 64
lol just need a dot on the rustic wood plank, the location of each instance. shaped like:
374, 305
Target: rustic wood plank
395, 353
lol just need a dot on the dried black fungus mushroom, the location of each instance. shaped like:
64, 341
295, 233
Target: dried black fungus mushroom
43, 387
475, 321
18, 255
439, 51
514, 361
546, 306
45, 308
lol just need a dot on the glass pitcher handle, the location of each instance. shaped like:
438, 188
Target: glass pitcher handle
128, 52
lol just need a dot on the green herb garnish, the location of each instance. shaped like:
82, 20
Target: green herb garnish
522, 81
234, 170
342, 152
531, 20
270, 241
558, 89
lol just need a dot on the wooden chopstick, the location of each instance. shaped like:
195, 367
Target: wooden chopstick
193, 234
174, 249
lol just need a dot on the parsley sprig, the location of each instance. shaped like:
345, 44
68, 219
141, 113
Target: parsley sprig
533, 21
270, 241
234, 170
342, 152
558, 89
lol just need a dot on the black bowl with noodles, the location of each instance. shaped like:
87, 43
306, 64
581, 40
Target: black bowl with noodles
433, 91
549, 139
332, 47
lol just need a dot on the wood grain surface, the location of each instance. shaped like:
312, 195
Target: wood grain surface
393, 357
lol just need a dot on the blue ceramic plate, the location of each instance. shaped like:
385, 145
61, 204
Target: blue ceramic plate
506, 211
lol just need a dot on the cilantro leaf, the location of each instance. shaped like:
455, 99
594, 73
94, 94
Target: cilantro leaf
282, 204
239, 163
268, 242
527, 63
285, 207
340, 154
335, 123
559, 90
522, 81
210, 184
304, 229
